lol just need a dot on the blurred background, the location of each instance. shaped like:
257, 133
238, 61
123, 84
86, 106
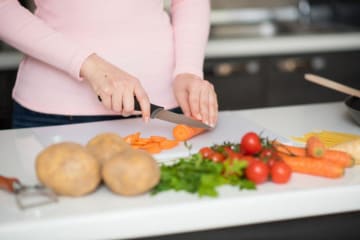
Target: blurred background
259, 51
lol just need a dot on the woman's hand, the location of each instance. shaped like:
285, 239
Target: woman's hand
115, 87
196, 97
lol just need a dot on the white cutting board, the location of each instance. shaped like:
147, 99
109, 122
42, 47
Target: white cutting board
229, 128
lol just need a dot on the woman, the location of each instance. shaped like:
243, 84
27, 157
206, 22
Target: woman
78, 52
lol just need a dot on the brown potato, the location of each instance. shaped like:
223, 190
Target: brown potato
106, 145
68, 168
131, 172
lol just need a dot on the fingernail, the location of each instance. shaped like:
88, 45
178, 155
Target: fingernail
198, 116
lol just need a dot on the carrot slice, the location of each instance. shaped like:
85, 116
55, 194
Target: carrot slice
183, 132
157, 138
131, 138
313, 166
168, 144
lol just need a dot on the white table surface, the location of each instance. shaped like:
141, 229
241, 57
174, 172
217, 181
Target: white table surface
103, 215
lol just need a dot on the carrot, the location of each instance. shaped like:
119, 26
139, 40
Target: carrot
153, 144
131, 138
183, 132
168, 144
315, 147
313, 166
288, 149
341, 158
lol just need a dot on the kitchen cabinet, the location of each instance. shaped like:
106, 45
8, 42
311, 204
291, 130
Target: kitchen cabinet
7, 81
279, 80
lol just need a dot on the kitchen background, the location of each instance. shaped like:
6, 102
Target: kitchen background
258, 52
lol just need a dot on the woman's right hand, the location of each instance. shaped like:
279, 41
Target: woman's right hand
115, 87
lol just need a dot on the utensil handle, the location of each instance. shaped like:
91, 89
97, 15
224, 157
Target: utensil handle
332, 85
153, 108
7, 183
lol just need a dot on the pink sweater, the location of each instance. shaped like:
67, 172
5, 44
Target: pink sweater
135, 35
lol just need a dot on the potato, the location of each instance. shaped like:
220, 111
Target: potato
68, 169
106, 145
131, 172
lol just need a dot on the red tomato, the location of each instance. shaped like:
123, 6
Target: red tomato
257, 171
206, 152
251, 143
249, 159
267, 153
270, 162
232, 154
217, 157
280, 172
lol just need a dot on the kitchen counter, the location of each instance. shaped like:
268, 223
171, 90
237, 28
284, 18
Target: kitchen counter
103, 215
287, 44
254, 46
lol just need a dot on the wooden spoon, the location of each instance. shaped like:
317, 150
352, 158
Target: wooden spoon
332, 85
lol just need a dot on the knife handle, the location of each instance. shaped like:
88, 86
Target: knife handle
153, 108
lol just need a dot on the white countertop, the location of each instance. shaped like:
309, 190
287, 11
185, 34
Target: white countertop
103, 215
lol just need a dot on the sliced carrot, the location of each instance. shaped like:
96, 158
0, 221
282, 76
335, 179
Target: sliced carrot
157, 138
168, 144
152, 147
313, 166
183, 132
131, 138
315, 147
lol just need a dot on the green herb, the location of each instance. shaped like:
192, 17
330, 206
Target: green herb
201, 176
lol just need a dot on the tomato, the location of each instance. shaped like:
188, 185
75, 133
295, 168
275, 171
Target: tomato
249, 159
231, 154
257, 171
251, 143
270, 162
280, 172
206, 152
217, 157
267, 153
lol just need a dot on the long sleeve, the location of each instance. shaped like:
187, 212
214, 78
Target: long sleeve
191, 22
30, 35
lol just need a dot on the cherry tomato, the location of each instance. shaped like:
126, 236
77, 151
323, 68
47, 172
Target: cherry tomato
257, 171
231, 154
270, 162
217, 157
280, 172
206, 152
251, 143
249, 159
267, 153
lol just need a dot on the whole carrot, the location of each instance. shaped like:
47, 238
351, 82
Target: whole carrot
313, 166
315, 147
341, 158
289, 149
183, 132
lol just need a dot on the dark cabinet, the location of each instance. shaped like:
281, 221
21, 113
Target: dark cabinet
279, 80
7, 81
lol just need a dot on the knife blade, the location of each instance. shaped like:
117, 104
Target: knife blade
166, 115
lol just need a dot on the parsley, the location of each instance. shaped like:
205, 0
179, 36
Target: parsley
197, 175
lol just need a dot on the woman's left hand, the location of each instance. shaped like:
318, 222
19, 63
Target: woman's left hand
196, 97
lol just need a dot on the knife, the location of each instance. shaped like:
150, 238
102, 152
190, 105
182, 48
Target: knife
162, 114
